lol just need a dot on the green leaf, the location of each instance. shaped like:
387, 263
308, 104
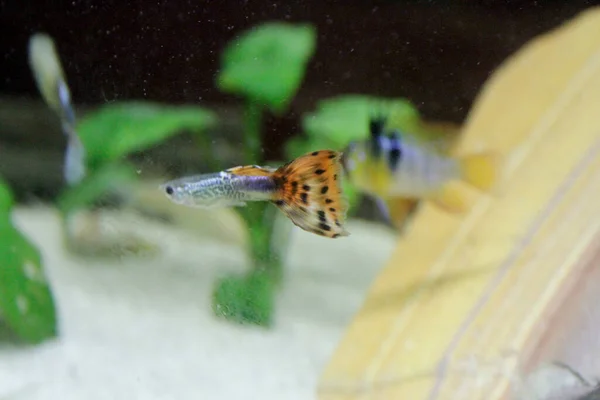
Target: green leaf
245, 300
102, 181
267, 63
118, 129
6, 199
26, 302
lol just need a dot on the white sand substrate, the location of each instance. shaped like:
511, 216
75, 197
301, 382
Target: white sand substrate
143, 328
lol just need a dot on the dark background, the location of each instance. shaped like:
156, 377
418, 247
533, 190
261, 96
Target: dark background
435, 53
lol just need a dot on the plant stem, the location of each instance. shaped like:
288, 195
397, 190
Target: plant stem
253, 125
250, 299
259, 216
260, 223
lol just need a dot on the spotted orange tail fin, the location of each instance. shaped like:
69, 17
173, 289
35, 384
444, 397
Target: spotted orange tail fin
310, 194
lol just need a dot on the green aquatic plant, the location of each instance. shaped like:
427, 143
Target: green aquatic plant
26, 302
265, 66
115, 131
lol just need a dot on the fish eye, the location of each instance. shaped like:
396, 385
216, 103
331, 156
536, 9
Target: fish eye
169, 190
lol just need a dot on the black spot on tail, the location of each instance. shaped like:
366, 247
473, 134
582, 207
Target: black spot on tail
321, 214
324, 226
304, 198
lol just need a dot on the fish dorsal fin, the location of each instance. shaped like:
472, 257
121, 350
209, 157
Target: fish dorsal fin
310, 194
376, 126
251, 170
376, 132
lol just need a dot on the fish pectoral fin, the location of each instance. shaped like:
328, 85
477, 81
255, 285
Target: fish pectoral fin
450, 198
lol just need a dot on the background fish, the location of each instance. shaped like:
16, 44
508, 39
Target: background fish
392, 166
306, 189
49, 77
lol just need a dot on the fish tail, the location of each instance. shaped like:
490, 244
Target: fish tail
479, 170
309, 193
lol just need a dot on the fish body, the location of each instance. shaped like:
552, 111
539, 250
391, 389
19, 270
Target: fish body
49, 77
307, 190
221, 189
393, 165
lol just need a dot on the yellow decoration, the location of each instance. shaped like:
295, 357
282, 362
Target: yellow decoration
463, 301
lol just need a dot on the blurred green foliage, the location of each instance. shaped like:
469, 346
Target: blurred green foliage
245, 299
119, 129
106, 179
26, 302
266, 64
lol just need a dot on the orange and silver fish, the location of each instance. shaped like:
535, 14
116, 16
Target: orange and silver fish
306, 189
392, 166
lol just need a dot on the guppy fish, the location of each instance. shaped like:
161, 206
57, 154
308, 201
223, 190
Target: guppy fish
50, 80
395, 166
306, 189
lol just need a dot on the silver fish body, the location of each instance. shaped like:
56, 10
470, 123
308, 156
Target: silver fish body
398, 166
420, 170
221, 189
